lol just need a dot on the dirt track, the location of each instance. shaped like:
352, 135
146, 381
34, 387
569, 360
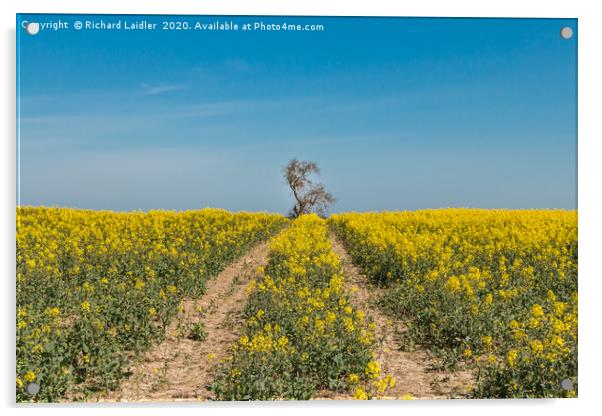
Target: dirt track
412, 370
179, 368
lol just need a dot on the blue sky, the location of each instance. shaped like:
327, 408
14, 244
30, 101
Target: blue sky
399, 113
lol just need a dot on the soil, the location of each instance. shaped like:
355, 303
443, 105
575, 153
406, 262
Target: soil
180, 368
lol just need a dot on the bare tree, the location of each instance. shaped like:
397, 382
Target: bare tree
309, 196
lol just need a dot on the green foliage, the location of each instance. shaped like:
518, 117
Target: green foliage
197, 331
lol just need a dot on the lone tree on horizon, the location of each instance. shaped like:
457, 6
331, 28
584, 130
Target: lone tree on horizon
309, 196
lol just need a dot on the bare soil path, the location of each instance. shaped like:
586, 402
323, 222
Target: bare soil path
413, 370
180, 368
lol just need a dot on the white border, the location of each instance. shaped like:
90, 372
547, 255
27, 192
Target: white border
590, 209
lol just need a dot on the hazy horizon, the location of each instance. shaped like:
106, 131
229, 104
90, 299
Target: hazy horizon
277, 212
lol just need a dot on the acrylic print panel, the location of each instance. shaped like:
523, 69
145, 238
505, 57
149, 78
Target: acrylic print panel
295, 208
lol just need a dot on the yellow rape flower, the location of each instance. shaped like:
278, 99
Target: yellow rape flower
85, 306
536, 347
453, 284
372, 369
353, 378
360, 394
487, 341
511, 357
537, 311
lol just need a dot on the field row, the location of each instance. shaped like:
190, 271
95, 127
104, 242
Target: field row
95, 287
302, 335
496, 289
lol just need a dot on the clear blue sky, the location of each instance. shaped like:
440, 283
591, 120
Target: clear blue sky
399, 113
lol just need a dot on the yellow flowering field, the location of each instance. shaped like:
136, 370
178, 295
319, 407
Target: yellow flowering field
494, 288
494, 291
95, 286
301, 334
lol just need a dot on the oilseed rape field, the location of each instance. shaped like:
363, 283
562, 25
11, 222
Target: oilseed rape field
489, 292
496, 289
94, 287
